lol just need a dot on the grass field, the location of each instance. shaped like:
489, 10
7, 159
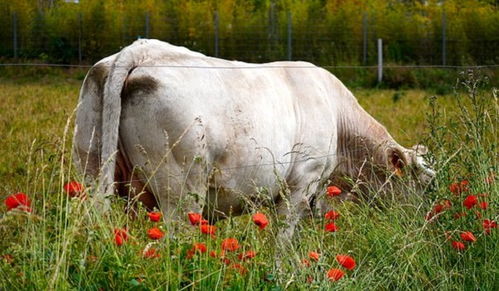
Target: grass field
63, 244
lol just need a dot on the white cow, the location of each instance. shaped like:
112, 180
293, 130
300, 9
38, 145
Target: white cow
196, 131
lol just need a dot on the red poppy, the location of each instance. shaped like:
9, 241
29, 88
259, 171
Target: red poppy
305, 262
230, 244
447, 204
73, 189
333, 191
240, 268
468, 236
247, 255
225, 260
200, 247
154, 216
346, 261
484, 205
151, 253
197, 247
335, 274
155, 233
208, 229
331, 215
120, 236
470, 201
454, 188
261, 220
331, 227
195, 218
213, 254
190, 253
8, 258
438, 208
314, 256
458, 245
458, 188
487, 224
18, 200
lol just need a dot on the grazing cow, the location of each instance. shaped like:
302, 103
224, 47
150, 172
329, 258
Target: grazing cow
191, 132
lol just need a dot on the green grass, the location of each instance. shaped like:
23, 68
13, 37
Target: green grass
64, 244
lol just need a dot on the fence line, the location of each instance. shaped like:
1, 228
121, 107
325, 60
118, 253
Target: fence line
263, 66
279, 38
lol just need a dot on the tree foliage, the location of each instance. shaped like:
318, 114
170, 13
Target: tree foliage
323, 31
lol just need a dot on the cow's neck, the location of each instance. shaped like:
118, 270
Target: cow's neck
362, 141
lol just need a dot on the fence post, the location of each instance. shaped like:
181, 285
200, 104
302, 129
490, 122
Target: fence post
364, 37
444, 39
14, 34
215, 22
147, 25
290, 34
271, 29
80, 26
380, 60
123, 35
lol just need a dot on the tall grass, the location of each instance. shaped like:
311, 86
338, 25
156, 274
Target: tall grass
65, 244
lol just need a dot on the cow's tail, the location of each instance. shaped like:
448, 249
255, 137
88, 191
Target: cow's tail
124, 63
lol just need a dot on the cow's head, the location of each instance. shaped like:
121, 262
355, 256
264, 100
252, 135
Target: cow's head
410, 164
383, 168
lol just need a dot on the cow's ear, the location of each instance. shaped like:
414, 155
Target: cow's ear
397, 160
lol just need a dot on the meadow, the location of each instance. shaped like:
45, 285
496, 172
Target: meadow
398, 242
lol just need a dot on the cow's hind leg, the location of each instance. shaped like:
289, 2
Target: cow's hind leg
178, 177
129, 186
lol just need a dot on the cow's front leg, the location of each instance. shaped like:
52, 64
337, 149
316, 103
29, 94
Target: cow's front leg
295, 207
291, 211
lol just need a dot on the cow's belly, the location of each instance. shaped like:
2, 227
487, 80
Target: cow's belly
236, 159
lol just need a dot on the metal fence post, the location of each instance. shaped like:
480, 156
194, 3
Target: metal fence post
215, 22
290, 34
364, 39
380, 60
147, 25
14, 34
271, 29
123, 35
444, 40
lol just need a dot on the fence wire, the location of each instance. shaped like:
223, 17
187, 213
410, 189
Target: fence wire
262, 66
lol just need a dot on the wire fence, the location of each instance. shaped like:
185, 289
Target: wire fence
256, 66
319, 44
